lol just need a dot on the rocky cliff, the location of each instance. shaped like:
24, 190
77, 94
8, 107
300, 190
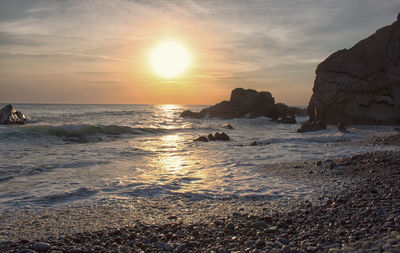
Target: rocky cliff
360, 85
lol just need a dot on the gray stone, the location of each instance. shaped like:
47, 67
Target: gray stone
41, 246
75, 250
26, 251
283, 240
165, 246
259, 224
285, 249
181, 247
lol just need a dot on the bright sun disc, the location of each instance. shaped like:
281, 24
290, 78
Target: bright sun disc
169, 59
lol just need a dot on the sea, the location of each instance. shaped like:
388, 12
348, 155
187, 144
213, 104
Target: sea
72, 154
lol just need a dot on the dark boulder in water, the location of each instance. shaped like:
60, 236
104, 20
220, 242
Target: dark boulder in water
310, 126
219, 137
195, 115
286, 120
8, 115
229, 126
201, 138
246, 104
216, 137
342, 127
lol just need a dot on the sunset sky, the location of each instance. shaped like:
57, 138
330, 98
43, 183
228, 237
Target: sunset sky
99, 51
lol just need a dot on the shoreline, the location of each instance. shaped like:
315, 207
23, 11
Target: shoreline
356, 208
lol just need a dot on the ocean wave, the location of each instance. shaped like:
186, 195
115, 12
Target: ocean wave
105, 113
79, 133
80, 193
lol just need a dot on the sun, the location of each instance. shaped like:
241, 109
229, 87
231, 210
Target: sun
170, 59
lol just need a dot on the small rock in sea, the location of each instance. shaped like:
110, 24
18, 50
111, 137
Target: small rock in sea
218, 137
201, 138
8, 115
254, 143
259, 143
41, 246
228, 126
311, 126
342, 127
287, 120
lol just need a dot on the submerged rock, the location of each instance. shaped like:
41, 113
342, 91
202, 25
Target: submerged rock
195, 115
247, 103
286, 120
228, 126
342, 127
360, 85
259, 143
8, 115
219, 137
310, 126
201, 138
216, 137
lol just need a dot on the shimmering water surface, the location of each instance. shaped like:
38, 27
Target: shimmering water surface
70, 153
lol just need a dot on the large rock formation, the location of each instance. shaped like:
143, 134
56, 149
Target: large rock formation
360, 85
8, 115
248, 103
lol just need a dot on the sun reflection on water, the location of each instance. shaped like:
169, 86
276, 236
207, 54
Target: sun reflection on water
171, 160
168, 116
174, 165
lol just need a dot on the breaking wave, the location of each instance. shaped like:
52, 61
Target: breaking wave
79, 133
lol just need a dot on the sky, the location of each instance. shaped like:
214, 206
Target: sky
97, 51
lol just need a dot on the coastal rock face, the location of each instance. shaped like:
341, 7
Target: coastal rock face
247, 103
360, 85
8, 115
